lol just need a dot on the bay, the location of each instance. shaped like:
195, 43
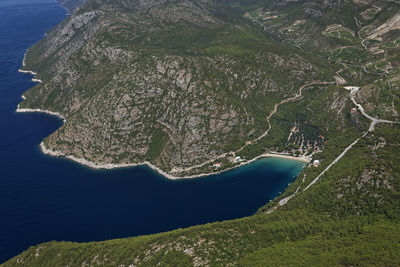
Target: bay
44, 198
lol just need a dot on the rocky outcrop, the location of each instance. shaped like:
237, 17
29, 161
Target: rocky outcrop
148, 85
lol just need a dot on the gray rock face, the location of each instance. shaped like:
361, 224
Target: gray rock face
147, 84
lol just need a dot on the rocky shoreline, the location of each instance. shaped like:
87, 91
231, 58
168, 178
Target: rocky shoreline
23, 110
155, 168
127, 165
110, 166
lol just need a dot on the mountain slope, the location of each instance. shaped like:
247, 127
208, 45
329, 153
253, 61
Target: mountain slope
174, 83
344, 212
347, 218
71, 5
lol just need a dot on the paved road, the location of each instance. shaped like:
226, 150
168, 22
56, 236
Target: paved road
353, 91
334, 161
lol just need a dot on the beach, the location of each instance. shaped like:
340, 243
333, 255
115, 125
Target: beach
109, 166
46, 198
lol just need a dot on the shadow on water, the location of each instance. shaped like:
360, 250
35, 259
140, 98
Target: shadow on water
44, 198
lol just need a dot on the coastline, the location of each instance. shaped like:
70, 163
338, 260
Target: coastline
110, 166
24, 110
282, 156
27, 71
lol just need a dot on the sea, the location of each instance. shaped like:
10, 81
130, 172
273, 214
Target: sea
44, 198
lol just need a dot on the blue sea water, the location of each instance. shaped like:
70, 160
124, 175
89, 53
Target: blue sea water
44, 198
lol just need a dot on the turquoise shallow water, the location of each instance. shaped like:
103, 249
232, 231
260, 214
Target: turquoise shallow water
44, 198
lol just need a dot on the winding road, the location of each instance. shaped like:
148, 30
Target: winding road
275, 109
353, 91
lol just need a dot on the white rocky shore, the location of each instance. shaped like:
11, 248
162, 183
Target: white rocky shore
27, 71
105, 166
23, 110
155, 168
110, 166
127, 165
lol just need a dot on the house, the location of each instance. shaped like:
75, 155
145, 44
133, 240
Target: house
217, 165
316, 163
237, 159
353, 115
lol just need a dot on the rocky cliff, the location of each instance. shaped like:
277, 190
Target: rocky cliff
175, 83
179, 82
186, 84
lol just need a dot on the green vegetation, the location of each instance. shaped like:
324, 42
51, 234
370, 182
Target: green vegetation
350, 217
209, 74
158, 142
364, 245
203, 73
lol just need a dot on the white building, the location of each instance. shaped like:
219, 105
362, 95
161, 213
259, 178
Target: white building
316, 163
217, 165
237, 159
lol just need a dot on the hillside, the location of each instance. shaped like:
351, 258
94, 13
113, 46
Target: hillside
350, 217
187, 84
174, 84
71, 5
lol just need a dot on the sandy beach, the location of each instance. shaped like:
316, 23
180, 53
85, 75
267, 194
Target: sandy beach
282, 156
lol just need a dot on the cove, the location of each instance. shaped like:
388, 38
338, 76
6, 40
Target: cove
44, 198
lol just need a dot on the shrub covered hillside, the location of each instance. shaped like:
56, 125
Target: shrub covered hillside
350, 217
179, 84
187, 84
